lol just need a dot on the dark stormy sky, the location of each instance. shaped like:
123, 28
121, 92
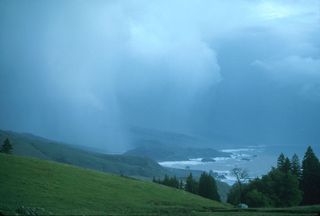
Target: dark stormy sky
85, 72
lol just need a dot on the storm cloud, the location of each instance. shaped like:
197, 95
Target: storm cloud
85, 72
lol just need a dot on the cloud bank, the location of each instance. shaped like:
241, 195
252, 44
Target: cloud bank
86, 71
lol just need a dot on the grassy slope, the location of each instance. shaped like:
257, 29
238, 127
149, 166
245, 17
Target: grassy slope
29, 145
34, 146
64, 189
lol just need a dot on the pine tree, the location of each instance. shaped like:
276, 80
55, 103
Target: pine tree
191, 185
174, 182
295, 166
208, 187
310, 178
278, 188
166, 180
286, 166
6, 147
281, 161
285, 188
181, 184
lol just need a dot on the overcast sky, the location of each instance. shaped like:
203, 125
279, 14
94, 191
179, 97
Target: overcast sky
84, 72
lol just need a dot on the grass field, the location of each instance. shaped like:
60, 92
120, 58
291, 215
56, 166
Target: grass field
64, 189
46, 187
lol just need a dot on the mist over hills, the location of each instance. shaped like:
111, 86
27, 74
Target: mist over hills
139, 165
87, 73
38, 147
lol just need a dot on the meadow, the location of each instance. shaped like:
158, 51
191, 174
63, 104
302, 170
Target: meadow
38, 187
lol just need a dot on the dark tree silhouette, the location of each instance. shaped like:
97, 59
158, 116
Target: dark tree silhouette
286, 166
168, 181
6, 147
208, 187
278, 188
295, 166
280, 161
310, 182
191, 185
241, 176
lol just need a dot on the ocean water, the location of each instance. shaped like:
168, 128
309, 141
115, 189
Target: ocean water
257, 160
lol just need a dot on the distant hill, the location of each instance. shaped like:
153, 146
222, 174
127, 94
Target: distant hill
141, 136
169, 146
53, 188
172, 153
38, 147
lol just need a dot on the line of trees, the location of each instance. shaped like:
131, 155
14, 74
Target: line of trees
205, 187
170, 182
288, 184
6, 147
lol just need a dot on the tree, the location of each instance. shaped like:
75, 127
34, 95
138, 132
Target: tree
181, 184
283, 163
310, 178
6, 147
255, 198
191, 185
295, 166
286, 166
241, 176
278, 188
280, 161
168, 181
233, 195
285, 188
280, 185
208, 187
174, 182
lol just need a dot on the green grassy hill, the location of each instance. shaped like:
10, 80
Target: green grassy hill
38, 147
29, 186
134, 166
56, 188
